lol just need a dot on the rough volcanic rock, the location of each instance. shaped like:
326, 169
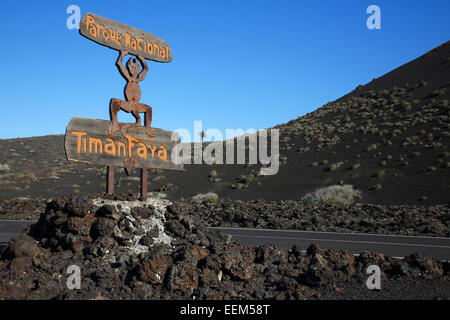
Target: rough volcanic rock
299, 215
128, 249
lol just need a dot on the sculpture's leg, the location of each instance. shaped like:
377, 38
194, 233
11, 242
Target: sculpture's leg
137, 117
132, 107
148, 118
114, 107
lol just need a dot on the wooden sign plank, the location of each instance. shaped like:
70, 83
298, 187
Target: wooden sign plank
119, 36
88, 141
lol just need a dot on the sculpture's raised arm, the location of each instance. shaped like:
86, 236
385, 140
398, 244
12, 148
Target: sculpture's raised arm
143, 73
123, 71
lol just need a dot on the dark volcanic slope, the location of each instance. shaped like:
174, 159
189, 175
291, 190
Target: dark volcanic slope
389, 138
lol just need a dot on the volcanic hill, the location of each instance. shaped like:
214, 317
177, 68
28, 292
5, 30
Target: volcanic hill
388, 138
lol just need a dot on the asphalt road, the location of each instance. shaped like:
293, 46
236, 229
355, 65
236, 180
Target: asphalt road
11, 228
392, 245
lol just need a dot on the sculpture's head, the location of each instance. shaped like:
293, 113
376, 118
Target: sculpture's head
133, 66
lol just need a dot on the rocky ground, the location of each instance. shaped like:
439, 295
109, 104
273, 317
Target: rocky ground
298, 215
21, 208
155, 250
409, 220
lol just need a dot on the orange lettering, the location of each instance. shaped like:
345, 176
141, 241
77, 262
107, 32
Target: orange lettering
110, 147
156, 46
89, 19
119, 36
100, 27
79, 134
133, 43
163, 53
113, 35
162, 154
93, 30
106, 34
142, 151
131, 141
150, 48
152, 150
139, 46
98, 145
123, 148
127, 39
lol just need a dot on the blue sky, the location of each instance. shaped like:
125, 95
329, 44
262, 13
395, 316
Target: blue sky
236, 64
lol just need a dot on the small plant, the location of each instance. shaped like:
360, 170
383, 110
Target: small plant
381, 173
443, 103
355, 166
335, 194
371, 147
335, 166
239, 186
212, 174
207, 197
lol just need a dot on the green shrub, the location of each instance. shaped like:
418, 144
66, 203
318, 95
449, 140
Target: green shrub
212, 173
335, 194
207, 197
355, 166
335, 166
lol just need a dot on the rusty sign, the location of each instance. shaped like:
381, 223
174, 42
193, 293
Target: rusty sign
87, 141
119, 36
123, 145
132, 92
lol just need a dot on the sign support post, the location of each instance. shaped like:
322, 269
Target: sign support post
144, 178
110, 180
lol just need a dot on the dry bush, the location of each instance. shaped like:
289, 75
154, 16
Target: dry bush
210, 196
335, 194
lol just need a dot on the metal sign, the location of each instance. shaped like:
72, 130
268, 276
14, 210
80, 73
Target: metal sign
119, 36
87, 141
125, 145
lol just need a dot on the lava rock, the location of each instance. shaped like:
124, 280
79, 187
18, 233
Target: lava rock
103, 227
